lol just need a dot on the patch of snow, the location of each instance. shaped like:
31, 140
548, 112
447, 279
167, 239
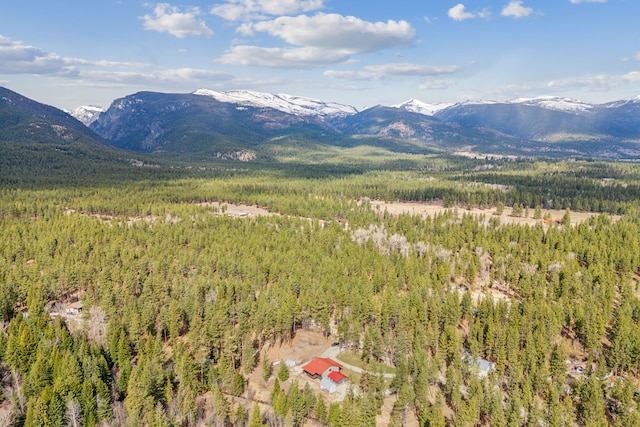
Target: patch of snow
476, 102
554, 103
289, 104
416, 106
87, 114
622, 102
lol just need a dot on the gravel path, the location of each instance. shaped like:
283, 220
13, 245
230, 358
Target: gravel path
333, 353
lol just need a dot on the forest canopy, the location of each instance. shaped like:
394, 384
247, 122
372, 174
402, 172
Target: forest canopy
180, 298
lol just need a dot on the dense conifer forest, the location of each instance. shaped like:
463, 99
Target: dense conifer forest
181, 300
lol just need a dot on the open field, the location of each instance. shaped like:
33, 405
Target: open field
435, 208
237, 211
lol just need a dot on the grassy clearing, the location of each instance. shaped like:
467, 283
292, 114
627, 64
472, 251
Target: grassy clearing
353, 358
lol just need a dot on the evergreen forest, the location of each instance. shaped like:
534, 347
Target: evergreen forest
181, 300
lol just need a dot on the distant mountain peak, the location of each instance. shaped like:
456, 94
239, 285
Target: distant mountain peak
415, 106
616, 104
553, 103
289, 104
87, 114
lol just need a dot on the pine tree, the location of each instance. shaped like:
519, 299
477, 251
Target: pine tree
220, 408
283, 371
591, 410
557, 364
566, 218
321, 410
516, 211
256, 417
37, 414
266, 368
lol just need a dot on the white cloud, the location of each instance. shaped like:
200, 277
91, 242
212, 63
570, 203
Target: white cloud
350, 75
432, 84
169, 19
236, 10
594, 83
459, 13
515, 9
588, 1
17, 58
601, 82
301, 57
333, 31
633, 76
164, 75
635, 57
381, 71
407, 69
246, 29
318, 40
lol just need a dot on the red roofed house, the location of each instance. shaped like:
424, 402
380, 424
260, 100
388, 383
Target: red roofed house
326, 369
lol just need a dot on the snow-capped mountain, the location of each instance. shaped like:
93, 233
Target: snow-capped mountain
635, 101
415, 106
198, 121
567, 105
87, 114
289, 104
148, 121
554, 103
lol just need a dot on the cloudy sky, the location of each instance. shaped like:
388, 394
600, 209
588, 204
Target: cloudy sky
359, 52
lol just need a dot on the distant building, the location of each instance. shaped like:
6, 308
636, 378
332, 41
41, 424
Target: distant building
74, 308
481, 367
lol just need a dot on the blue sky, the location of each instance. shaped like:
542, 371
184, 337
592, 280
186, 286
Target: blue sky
79, 52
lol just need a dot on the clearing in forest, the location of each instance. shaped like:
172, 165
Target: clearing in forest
434, 208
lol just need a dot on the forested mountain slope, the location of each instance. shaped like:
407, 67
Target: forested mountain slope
39, 143
23, 120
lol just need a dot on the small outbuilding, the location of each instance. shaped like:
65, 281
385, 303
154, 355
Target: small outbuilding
290, 363
333, 380
328, 385
481, 367
74, 308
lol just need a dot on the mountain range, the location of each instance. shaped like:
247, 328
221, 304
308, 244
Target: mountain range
248, 125
208, 120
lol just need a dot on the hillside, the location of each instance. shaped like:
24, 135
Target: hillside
223, 124
24, 120
606, 130
195, 124
42, 144
276, 129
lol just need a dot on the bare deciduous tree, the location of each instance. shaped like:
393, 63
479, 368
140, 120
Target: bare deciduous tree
97, 325
73, 413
